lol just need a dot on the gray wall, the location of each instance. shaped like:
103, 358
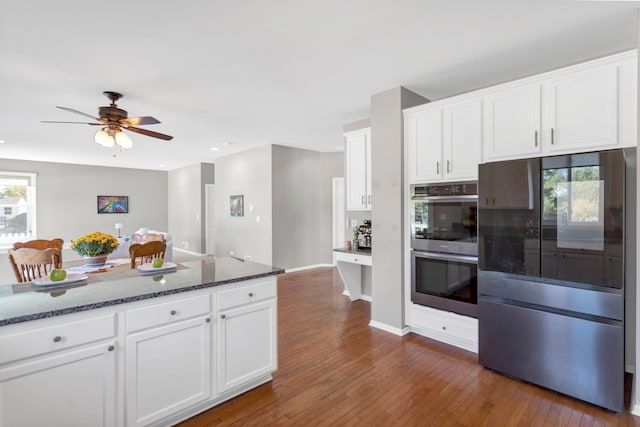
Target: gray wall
302, 205
186, 188
387, 217
66, 198
247, 173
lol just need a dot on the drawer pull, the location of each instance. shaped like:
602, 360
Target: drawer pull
57, 338
444, 328
173, 312
355, 259
111, 348
208, 320
250, 294
223, 316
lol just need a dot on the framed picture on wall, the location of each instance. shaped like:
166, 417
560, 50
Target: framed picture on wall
113, 204
237, 205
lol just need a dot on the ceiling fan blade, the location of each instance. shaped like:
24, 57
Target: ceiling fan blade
143, 120
149, 133
76, 123
71, 110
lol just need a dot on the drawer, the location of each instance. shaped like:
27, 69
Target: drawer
247, 294
167, 312
43, 340
353, 258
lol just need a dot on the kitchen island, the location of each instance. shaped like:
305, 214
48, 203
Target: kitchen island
126, 349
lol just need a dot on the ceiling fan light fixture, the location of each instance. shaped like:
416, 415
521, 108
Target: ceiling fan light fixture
103, 138
123, 140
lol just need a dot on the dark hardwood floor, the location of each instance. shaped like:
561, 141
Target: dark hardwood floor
336, 370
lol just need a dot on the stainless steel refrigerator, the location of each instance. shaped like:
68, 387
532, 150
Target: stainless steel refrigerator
551, 238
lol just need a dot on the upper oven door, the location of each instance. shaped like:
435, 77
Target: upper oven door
445, 224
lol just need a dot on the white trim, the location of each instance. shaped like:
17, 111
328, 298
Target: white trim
630, 368
307, 267
188, 252
635, 410
396, 331
365, 297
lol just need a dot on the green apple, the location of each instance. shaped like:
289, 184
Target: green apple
57, 275
157, 263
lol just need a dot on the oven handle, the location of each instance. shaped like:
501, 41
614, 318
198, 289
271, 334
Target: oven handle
446, 257
442, 199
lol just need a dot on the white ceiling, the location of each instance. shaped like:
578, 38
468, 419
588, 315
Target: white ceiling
235, 74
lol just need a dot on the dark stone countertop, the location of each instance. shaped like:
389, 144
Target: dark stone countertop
359, 251
24, 302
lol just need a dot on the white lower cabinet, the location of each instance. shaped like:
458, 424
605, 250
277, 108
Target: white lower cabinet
71, 384
247, 341
168, 370
152, 362
451, 328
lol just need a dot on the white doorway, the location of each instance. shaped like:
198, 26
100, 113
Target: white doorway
210, 220
338, 212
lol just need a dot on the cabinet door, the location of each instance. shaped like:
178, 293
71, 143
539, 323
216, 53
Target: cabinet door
168, 369
463, 140
425, 138
356, 173
513, 123
248, 344
75, 388
583, 110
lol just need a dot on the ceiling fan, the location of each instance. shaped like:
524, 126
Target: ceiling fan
113, 120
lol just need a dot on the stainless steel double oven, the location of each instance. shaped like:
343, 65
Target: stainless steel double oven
444, 246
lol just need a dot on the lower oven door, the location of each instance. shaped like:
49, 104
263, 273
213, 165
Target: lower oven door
445, 281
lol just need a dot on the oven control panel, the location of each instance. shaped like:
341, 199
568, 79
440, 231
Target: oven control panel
457, 189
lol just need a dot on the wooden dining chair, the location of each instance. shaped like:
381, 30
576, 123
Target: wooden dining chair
30, 263
146, 252
40, 244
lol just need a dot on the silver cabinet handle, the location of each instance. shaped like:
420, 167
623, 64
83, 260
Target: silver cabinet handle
355, 259
208, 320
438, 167
111, 348
57, 338
362, 199
369, 198
250, 294
448, 168
535, 138
223, 316
173, 312
552, 138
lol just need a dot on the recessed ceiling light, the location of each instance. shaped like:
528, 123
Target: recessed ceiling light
162, 165
2, 141
214, 148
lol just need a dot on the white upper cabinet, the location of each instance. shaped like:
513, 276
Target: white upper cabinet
444, 141
586, 107
358, 169
514, 122
583, 110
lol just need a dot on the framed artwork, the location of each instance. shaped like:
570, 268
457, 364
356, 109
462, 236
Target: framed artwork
113, 204
237, 205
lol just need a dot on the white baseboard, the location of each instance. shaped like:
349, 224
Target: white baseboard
307, 267
635, 410
363, 297
630, 368
390, 329
188, 252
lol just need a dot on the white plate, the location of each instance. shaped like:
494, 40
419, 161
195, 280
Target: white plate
71, 278
148, 268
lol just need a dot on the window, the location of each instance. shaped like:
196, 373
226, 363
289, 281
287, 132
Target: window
18, 202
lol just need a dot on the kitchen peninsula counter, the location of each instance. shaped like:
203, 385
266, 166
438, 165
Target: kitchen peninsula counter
137, 350
24, 302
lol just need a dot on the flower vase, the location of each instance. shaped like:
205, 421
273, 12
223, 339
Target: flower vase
96, 261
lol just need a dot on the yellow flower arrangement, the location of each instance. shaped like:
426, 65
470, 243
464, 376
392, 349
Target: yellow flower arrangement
95, 243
